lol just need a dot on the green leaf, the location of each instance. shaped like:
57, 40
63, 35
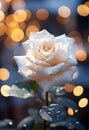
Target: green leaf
34, 85
66, 102
23, 89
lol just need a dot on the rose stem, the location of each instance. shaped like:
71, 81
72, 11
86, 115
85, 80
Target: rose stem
47, 103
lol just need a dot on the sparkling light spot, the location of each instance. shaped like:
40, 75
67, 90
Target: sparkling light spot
2, 15
17, 35
78, 90
4, 88
10, 21
70, 111
42, 14
2, 29
4, 74
83, 10
31, 28
20, 15
83, 102
81, 55
64, 11
69, 87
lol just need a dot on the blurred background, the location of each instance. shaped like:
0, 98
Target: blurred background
20, 17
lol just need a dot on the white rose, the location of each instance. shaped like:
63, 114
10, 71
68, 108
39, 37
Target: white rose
49, 60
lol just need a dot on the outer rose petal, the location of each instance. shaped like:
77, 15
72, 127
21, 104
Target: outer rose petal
57, 80
48, 70
22, 66
67, 45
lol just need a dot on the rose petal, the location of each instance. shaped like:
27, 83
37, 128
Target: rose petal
42, 35
67, 45
36, 39
30, 56
47, 70
58, 80
22, 69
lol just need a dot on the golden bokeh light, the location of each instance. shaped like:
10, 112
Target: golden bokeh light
31, 28
88, 38
22, 25
17, 35
5, 88
28, 14
70, 111
0, 4
83, 102
42, 14
78, 90
20, 15
2, 15
81, 55
9, 43
64, 11
18, 4
7, 1
9, 30
62, 20
25, 38
35, 22
69, 87
83, 10
87, 3
2, 29
76, 35
4, 74
10, 21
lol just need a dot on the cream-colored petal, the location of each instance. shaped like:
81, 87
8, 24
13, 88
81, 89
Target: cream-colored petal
52, 70
22, 66
42, 34
66, 44
36, 39
30, 56
57, 80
